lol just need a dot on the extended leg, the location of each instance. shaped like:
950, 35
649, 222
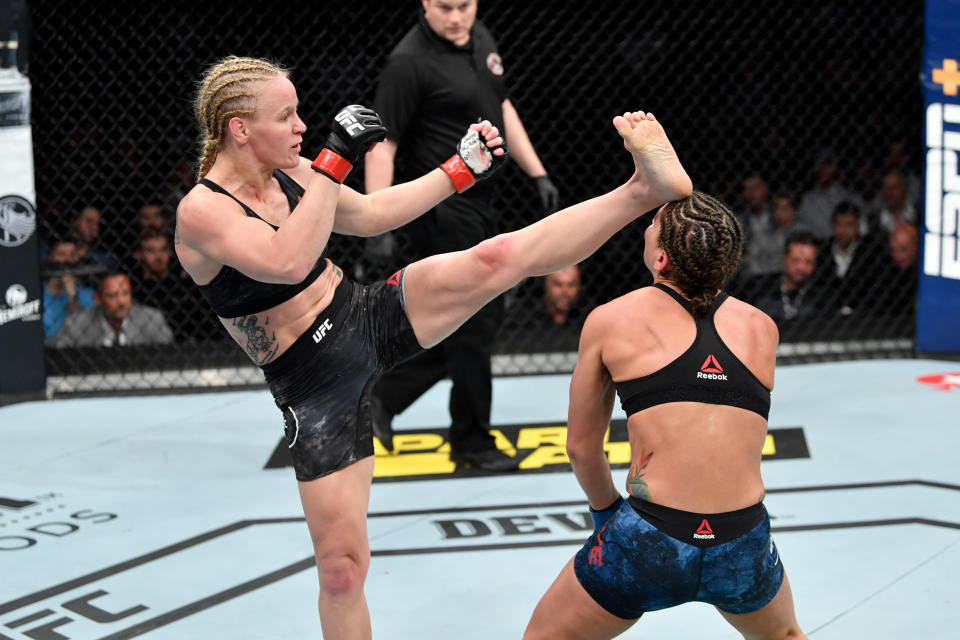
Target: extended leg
443, 291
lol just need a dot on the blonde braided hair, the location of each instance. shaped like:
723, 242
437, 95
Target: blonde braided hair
226, 91
703, 241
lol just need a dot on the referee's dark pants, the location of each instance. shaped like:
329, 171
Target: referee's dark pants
464, 356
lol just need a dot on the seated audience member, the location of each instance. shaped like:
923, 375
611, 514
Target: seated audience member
762, 249
784, 218
62, 292
86, 228
154, 217
116, 321
895, 209
792, 295
851, 260
898, 285
817, 204
553, 322
157, 280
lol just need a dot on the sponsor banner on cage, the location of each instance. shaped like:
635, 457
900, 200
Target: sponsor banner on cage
21, 331
938, 298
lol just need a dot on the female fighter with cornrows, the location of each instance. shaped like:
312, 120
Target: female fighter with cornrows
252, 235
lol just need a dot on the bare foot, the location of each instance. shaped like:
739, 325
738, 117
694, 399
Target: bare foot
659, 177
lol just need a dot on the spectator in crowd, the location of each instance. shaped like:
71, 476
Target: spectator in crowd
553, 323
116, 321
444, 73
895, 208
791, 296
179, 182
762, 249
157, 280
86, 229
898, 158
817, 204
897, 287
784, 216
62, 293
851, 260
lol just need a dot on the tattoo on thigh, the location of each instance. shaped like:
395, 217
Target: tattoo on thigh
259, 345
637, 485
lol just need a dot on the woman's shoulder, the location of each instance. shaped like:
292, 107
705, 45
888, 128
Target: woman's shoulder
632, 307
759, 322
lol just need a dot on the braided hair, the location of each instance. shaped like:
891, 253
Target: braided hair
703, 242
227, 91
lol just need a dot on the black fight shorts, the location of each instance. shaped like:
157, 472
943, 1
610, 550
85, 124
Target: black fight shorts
322, 383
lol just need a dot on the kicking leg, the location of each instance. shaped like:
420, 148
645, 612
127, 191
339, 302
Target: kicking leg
443, 291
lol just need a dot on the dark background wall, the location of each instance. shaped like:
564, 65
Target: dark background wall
739, 86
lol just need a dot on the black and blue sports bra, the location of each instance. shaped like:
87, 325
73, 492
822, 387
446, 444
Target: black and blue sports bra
232, 294
706, 372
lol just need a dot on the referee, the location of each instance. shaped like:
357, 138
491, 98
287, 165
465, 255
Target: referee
442, 76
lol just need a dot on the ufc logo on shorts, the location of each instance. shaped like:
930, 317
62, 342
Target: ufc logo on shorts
322, 331
346, 119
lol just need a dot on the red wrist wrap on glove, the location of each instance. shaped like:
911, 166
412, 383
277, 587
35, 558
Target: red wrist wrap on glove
332, 165
459, 173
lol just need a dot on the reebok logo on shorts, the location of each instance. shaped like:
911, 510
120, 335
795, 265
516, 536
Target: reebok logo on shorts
704, 532
596, 552
711, 370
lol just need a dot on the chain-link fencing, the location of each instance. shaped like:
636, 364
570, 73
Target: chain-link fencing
804, 117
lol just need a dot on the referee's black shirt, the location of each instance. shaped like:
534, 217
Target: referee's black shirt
431, 90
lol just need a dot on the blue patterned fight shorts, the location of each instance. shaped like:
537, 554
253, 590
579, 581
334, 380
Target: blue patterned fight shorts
649, 557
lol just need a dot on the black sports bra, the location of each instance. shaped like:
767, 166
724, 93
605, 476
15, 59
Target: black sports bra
706, 372
232, 294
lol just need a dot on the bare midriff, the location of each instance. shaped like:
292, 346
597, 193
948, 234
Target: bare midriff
267, 334
696, 457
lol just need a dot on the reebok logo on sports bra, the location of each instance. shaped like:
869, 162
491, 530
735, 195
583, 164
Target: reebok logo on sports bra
711, 369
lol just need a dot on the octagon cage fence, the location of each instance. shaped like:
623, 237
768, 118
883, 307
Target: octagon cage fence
786, 111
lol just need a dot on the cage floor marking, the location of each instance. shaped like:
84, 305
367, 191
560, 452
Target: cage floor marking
159, 517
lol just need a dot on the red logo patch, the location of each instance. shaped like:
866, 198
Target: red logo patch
495, 64
941, 381
395, 279
704, 528
710, 365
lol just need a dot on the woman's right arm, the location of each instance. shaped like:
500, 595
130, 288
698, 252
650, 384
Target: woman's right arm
592, 395
217, 227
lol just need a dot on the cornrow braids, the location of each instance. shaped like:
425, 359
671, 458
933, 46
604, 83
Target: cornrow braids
226, 91
703, 242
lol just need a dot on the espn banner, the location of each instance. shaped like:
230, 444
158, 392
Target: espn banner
21, 329
938, 297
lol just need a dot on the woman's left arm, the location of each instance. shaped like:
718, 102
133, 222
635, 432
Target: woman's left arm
375, 213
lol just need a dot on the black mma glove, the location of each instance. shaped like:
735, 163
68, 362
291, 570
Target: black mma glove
473, 161
549, 195
354, 130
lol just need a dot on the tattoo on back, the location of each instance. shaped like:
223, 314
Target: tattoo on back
259, 345
635, 482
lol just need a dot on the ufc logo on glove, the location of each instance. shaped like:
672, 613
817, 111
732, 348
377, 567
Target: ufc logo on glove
348, 122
